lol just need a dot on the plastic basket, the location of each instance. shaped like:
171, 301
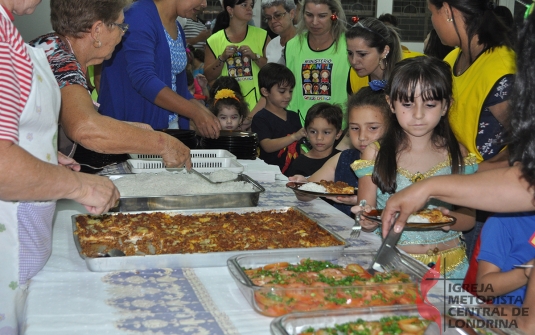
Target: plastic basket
207, 153
200, 164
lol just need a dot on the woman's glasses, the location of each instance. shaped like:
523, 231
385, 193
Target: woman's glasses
122, 26
276, 16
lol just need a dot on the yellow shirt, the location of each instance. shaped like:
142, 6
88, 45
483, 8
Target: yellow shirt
470, 90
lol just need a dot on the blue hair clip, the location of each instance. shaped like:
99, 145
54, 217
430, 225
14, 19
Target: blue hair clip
377, 85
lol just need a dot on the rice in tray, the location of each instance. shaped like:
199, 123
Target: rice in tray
178, 183
313, 187
222, 175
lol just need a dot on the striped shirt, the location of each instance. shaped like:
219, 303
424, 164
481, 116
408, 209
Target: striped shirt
15, 77
192, 29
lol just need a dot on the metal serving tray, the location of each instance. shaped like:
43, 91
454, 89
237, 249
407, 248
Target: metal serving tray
188, 201
295, 323
365, 258
104, 264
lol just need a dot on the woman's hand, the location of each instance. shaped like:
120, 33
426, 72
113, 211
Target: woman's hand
176, 154
228, 52
68, 162
298, 179
246, 51
206, 123
367, 225
97, 194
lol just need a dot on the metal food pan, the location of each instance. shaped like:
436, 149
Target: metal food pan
296, 323
256, 295
105, 264
188, 201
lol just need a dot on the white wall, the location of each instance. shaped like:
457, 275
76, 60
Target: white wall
32, 26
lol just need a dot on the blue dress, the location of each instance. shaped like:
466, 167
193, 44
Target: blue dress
456, 269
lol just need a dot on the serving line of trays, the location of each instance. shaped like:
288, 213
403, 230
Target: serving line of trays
191, 260
240, 143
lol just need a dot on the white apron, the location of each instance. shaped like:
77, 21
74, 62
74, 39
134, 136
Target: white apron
26, 227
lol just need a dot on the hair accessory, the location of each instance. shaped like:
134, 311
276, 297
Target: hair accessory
360, 25
377, 85
355, 19
529, 8
97, 44
225, 93
334, 17
449, 20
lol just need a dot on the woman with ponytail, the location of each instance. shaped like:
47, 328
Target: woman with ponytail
237, 49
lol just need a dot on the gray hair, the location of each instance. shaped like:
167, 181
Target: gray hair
287, 4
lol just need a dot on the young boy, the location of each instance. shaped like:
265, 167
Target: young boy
506, 240
278, 130
323, 125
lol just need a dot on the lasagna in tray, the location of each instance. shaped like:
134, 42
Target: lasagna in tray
167, 233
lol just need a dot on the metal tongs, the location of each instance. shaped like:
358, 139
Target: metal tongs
388, 257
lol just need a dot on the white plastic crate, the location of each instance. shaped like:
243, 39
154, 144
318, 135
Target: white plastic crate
205, 165
196, 153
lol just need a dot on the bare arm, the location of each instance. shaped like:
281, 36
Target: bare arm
213, 64
84, 125
205, 122
274, 144
498, 190
501, 282
26, 178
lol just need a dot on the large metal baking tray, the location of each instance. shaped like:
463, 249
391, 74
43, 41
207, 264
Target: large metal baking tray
365, 258
188, 201
105, 264
295, 323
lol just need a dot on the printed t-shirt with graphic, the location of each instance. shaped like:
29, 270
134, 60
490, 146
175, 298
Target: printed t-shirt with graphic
320, 76
238, 66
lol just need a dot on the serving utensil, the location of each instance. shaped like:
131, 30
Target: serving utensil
91, 166
355, 230
195, 172
388, 257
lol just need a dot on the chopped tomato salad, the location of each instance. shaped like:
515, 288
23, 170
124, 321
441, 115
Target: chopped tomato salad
321, 285
391, 325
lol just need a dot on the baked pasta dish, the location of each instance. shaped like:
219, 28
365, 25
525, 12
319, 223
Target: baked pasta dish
386, 325
337, 187
164, 233
429, 216
321, 285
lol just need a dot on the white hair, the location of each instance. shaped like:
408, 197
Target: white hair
287, 4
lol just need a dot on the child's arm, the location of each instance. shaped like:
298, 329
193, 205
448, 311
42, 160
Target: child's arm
275, 144
367, 190
326, 172
501, 282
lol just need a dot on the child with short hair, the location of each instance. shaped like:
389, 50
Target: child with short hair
323, 125
367, 118
278, 130
229, 107
506, 240
418, 145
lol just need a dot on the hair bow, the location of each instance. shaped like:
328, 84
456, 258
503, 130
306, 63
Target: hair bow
377, 85
225, 93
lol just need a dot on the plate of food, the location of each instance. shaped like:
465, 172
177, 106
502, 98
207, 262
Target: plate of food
425, 219
324, 188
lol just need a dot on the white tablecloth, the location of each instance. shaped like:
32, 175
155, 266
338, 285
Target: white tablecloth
67, 298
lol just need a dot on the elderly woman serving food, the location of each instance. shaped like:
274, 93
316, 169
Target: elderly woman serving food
86, 33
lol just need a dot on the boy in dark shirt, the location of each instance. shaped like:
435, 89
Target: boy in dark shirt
323, 125
278, 130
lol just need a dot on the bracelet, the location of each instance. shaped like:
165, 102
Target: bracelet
220, 60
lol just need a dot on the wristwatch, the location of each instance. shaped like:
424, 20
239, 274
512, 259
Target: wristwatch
258, 56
